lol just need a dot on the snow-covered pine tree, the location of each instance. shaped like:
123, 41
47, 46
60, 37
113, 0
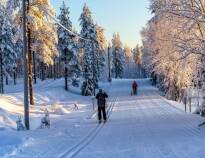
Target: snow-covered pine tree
74, 63
13, 7
65, 40
137, 57
43, 31
118, 56
129, 63
128, 54
8, 53
100, 50
3, 3
68, 47
88, 46
42, 36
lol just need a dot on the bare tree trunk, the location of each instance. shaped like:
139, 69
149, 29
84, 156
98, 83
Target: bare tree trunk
42, 71
59, 69
7, 80
66, 78
66, 71
1, 73
54, 69
25, 68
14, 75
139, 70
30, 68
34, 68
51, 71
109, 67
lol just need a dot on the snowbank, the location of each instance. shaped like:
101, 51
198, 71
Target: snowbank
5, 120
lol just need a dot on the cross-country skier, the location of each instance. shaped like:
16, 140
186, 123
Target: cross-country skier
134, 87
101, 101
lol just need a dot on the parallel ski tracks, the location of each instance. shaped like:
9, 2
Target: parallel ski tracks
73, 151
164, 112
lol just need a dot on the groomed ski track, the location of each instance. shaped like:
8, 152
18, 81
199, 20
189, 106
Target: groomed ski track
147, 126
142, 126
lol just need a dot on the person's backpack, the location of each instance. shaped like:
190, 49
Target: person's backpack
101, 100
134, 85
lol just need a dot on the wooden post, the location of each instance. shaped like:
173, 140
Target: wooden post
93, 102
25, 49
109, 71
190, 104
185, 103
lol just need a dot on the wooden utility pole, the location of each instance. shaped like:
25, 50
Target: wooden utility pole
25, 56
30, 60
109, 71
93, 67
66, 69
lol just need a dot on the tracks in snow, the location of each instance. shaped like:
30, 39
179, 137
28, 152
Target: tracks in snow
73, 151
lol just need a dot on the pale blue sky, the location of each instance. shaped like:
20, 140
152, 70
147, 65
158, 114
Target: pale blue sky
124, 16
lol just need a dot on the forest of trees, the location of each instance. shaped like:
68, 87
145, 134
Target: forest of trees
57, 50
173, 46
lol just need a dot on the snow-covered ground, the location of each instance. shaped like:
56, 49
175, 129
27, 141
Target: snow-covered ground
143, 126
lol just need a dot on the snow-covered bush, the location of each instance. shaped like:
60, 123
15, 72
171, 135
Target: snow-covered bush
76, 82
19, 124
45, 121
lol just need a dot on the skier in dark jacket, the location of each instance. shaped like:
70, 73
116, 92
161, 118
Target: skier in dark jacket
134, 87
101, 101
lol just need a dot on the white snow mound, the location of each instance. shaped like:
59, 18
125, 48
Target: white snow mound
5, 120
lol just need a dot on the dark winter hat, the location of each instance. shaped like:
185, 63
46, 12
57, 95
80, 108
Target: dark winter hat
100, 90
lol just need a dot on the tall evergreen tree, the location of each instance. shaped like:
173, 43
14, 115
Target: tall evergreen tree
118, 56
68, 46
88, 45
44, 34
8, 49
137, 57
100, 49
129, 65
13, 7
74, 63
43, 30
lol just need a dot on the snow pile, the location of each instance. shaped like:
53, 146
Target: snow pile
10, 110
18, 148
5, 120
73, 89
58, 109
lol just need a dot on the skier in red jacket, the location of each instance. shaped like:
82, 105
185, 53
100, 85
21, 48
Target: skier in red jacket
134, 87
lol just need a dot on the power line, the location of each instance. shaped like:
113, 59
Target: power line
57, 22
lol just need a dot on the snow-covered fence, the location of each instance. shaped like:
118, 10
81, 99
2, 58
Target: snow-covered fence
192, 98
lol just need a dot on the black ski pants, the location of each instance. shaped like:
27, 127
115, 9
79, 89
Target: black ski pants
101, 110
